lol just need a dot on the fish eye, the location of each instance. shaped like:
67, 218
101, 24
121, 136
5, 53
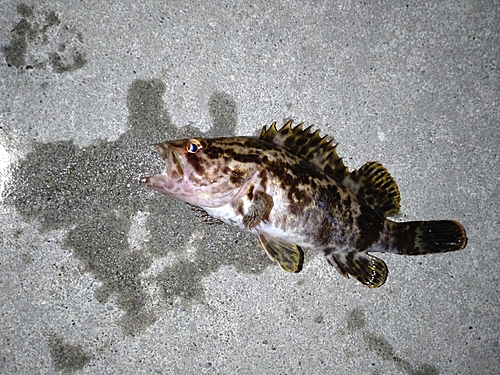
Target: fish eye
193, 146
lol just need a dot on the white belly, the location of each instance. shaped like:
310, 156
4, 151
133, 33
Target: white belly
228, 215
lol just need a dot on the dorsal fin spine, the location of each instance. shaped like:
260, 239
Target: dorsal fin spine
318, 150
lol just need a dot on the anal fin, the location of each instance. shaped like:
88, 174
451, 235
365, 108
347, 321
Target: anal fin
367, 269
288, 255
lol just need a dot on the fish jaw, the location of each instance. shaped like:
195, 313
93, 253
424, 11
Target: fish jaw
167, 182
178, 179
174, 167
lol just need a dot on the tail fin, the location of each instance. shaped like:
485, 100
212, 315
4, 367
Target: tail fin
426, 237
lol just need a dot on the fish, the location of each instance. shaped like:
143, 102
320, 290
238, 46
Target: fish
290, 188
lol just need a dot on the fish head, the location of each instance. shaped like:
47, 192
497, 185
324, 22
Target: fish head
203, 172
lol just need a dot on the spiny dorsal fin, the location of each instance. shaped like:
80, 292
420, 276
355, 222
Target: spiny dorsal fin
309, 145
375, 185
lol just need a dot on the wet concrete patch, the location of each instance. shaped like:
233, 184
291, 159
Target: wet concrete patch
40, 39
66, 358
376, 343
94, 193
355, 319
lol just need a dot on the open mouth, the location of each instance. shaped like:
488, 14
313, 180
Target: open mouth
173, 168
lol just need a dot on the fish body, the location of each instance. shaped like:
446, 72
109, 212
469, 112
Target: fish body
291, 189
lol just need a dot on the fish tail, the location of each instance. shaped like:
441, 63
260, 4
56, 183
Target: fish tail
426, 237
411, 238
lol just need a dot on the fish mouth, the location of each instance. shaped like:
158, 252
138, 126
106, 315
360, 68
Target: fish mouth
174, 169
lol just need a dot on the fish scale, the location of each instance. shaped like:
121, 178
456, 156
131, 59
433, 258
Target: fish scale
291, 189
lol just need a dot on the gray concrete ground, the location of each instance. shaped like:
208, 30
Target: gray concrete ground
100, 276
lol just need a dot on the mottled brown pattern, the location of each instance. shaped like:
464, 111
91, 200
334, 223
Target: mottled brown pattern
404, 236
194, 160
238, 207
236, 177
370, 226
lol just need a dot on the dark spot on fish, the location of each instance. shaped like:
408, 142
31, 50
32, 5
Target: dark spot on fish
289, 142
198, 166
250, 192
214, 152
328, 201
247, 158
225, 171
354, 177
236, 177
301, 195
346, 203
263, 179
323, 235
370, 225
404, 235
238, 207
288, 179
301, 141
312, 183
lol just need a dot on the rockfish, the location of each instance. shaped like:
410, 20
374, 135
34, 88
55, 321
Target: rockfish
291, 189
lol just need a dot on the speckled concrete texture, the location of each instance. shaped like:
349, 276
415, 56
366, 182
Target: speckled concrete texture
100, 276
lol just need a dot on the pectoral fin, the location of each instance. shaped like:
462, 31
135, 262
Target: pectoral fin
288, 255
262, 204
